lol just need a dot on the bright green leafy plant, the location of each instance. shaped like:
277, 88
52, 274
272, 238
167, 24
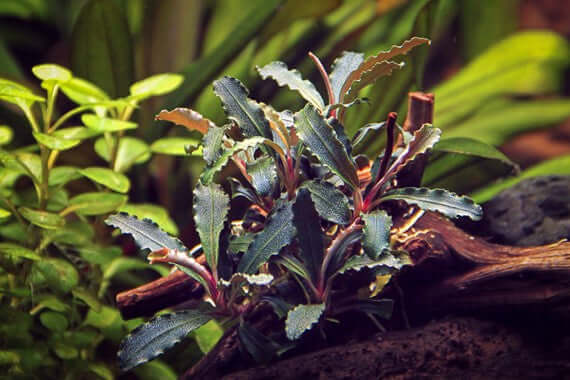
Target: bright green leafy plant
55, 269
313, 218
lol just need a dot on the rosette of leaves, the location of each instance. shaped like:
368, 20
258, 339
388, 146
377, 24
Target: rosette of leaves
314, 217
54, 273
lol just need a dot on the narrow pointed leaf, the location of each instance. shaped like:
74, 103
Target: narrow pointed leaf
211, 206
239, 190
293, 265
442, 201
188, 118
370, 65
321, 139
278, 232
380, 69
263, 175
151, 339
342, 67
376, 233
382, 308
157, 214
209, 173
245, 112
17, 251
301, 319
330, 203
145, 232
212, 144
292, 79
108, 178
310, 237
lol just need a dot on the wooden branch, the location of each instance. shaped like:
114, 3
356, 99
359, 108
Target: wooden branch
165, 292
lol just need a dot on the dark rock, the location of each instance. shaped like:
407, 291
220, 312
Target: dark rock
536, 211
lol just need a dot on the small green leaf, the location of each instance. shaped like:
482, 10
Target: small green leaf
188, 118
376, 233
208, 335
155, 369
158, 335
211, 206
65, 351
54, 321
54, 142
98, 255
86, 296
321, 139
42, 219
96, 203
6, 135
76, 133
209, 173
245, 112
61, 175
389, 261
59, 274
108, 178
131, 151
331, 203
278, 232
310, 236
382, 308
292, 79
442, 201
145, 233
175, 146
155, 85
157, 214
51, 72
212, 144
123, 264
263, 175
15, 93
343, 66
83, 92
52, 303
301, 319
104, 124
15, 250
4, 213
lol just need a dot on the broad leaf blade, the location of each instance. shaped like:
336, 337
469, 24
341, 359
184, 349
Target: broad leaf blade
389, 261
145, 232
330, 203
108, 178
157, 214
211, 206
301, 319
155, 85
188, 118
176, 146
310, 236
96, 203
380, 69
278, 232
42, 219
212, 144
292, 79
245, 112
442, 201
376, 233
342, 67
321, 139
104, 124
17, 251
131, 151
158, 335
54, 142
263, 175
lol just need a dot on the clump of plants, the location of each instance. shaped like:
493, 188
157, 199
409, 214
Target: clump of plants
316, 212
55, 267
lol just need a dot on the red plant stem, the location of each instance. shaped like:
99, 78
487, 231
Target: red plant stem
390, 123
325, 77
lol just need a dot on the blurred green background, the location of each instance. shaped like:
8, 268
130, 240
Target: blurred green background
499, 71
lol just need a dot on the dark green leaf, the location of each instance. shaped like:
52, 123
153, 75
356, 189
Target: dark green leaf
87, 297
343, 66
108, 178
96, 203
212, 144
442, 201
292, 79
102, 50
293, 265
245, 112
59, 274
209, 173
341, 134
240, 243
158, 335
211, 206
388, 261
260, 346
54, 321
42, 219
382, 308
157, 214
301, 319
310, 235
280, 307
376, 233
17, 251
321, 139
331, 203
145, 232
155, 369
123, 264
278, 232
263, 175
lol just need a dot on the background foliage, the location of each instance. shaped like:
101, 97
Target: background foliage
490, 83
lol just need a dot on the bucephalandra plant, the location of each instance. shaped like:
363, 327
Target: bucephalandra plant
312, 218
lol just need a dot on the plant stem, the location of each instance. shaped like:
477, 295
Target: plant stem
44, 187
390, 123
325, 77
